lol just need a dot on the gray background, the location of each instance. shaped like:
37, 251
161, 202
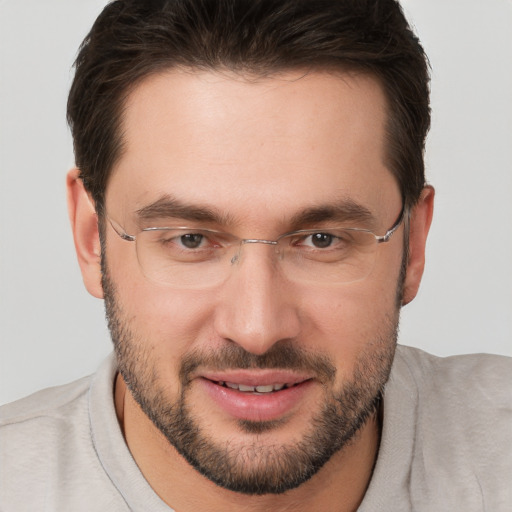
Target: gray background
52, 331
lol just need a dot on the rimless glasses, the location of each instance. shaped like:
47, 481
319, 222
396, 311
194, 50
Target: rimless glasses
184, 257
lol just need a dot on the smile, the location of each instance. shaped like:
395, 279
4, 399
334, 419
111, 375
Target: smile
262, 397
267, 388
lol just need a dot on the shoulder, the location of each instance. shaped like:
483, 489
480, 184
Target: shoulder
462, 429
35, 435
34, 429
468, 397
45, 404
48, 452
423, 361
40, 422
480, 380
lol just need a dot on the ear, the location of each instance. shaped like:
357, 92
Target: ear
419, 225
84, 223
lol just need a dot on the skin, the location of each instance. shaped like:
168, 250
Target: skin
259, 152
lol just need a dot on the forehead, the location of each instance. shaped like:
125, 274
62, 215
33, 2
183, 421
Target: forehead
253, 147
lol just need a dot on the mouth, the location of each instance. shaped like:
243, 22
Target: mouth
257, 389
257, 396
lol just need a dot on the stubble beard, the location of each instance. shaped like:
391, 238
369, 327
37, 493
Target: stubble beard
254, 468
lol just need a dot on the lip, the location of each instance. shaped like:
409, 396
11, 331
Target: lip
256, 406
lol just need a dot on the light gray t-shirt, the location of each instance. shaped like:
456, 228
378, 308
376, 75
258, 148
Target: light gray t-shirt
446, 443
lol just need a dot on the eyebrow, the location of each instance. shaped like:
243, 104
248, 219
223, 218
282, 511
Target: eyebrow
342, 210
168, 207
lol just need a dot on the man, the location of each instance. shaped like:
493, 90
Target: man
250, 202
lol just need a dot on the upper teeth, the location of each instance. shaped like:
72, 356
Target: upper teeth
254, 389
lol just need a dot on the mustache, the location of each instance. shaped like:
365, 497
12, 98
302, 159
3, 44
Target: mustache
279, 356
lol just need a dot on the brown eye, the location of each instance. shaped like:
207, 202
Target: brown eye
321, 240
191, 240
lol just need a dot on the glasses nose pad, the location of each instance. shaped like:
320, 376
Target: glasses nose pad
236, 257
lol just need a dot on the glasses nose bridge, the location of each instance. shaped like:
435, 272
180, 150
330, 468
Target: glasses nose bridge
258, 241
244, 241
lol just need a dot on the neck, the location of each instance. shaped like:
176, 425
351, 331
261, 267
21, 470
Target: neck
338, 486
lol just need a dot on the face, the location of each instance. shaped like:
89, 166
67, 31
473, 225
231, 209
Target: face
258, 380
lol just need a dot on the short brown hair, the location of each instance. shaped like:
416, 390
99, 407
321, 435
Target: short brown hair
132, 39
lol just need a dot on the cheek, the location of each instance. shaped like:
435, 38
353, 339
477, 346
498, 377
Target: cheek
167, 322
349, 321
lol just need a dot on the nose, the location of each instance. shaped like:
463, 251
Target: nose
256, 306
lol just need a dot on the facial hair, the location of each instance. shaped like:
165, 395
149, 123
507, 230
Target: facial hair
254, 468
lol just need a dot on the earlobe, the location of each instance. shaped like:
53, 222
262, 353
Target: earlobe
419, 225
84, 224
